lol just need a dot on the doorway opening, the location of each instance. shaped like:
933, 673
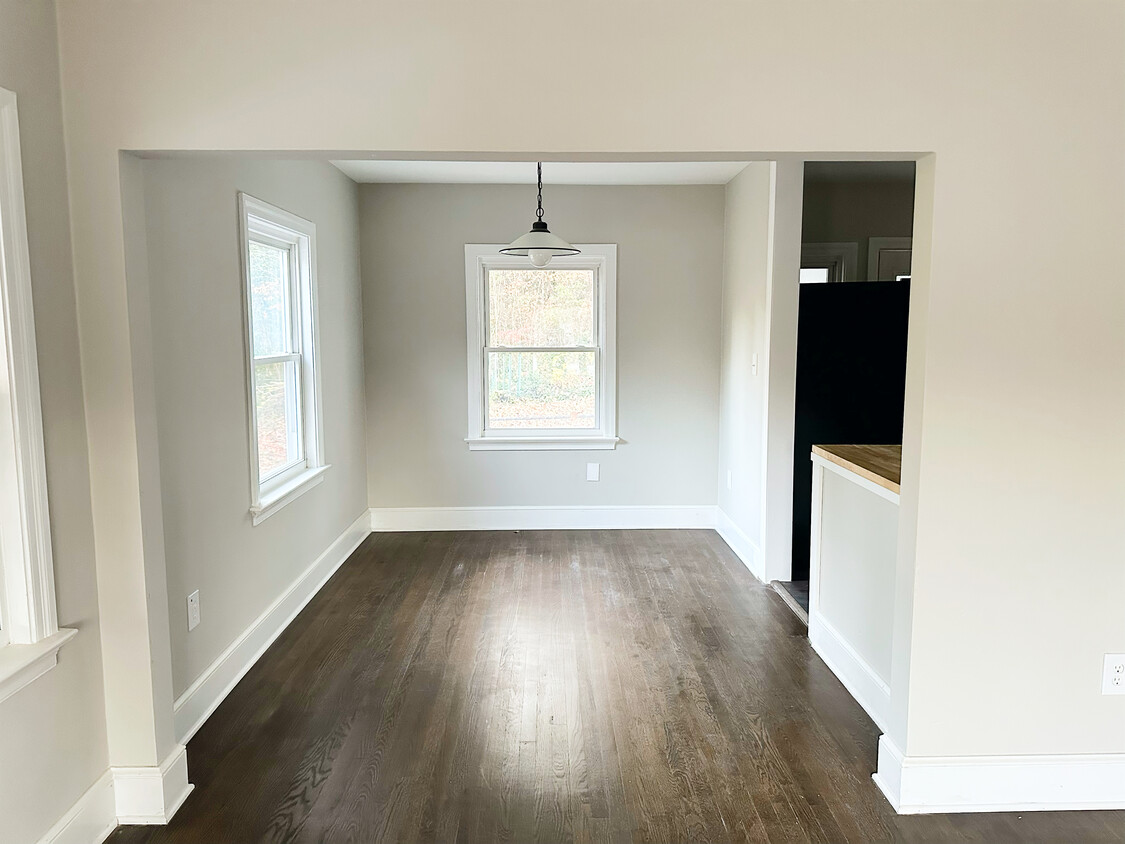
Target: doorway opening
857, 220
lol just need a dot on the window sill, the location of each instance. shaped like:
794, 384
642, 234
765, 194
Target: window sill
569, 443
291, 491
21, 665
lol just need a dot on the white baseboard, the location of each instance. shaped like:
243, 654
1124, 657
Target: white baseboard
1063, 782
196, 704
151, 795
744, 547
90, 820
861, 680
542, 518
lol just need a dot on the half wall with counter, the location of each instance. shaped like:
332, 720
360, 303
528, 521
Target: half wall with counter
854, 535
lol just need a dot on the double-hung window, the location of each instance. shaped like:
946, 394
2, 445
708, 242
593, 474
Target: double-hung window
279, 278
541, 350
30, 637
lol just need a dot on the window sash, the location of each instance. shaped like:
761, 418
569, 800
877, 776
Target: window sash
292, 316
294, 368
598, 350
595, 299
294, 413
540, 432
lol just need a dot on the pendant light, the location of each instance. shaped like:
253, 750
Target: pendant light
539, 245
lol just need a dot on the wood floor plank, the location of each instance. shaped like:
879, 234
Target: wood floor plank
552, 686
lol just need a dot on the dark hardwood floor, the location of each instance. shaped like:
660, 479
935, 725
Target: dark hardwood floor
552, 686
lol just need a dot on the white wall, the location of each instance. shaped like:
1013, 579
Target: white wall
745, 320
1014, 467
52, 733
195, 288
669, 273
856, 584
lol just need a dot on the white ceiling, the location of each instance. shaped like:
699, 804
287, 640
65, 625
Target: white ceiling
554, 172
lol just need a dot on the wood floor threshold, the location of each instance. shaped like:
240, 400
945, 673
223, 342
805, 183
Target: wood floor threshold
790, 602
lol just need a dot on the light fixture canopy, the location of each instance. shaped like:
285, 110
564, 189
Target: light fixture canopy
539, 244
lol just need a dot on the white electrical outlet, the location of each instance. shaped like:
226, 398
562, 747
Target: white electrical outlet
193, 610
1113, 675
593, 471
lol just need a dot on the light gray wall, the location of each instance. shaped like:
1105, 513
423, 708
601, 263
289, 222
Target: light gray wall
197, 314
52, 733
745, 327
854, 209
669, 275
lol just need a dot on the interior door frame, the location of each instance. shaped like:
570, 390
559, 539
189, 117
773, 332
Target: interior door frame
875, 246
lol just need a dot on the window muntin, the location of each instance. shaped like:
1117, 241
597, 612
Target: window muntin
279, 282
541, 345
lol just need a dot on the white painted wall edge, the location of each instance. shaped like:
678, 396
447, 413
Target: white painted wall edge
743, 547
152, 795
204, 695
862, 681
1057, 782
544, 518
90, 820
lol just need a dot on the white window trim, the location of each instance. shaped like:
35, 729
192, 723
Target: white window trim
31, 637
602, 259
276, 492
875, 245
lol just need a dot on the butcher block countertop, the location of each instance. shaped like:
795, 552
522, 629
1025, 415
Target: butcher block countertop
880, 464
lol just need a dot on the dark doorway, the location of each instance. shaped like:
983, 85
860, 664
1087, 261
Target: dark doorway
851, 380
856, 230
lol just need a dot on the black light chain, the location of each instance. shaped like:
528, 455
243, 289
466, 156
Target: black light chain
539, 211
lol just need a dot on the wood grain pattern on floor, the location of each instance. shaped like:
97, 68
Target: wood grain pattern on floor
552, 686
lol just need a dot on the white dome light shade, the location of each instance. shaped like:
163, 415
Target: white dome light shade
539, 239
539, 244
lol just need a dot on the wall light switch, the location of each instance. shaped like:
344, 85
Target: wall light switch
593, 471
193, 610
1113, 674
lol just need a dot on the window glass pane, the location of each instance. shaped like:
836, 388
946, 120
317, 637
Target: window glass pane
814, 275
276, 403
541, 307
541, 390
269, 299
